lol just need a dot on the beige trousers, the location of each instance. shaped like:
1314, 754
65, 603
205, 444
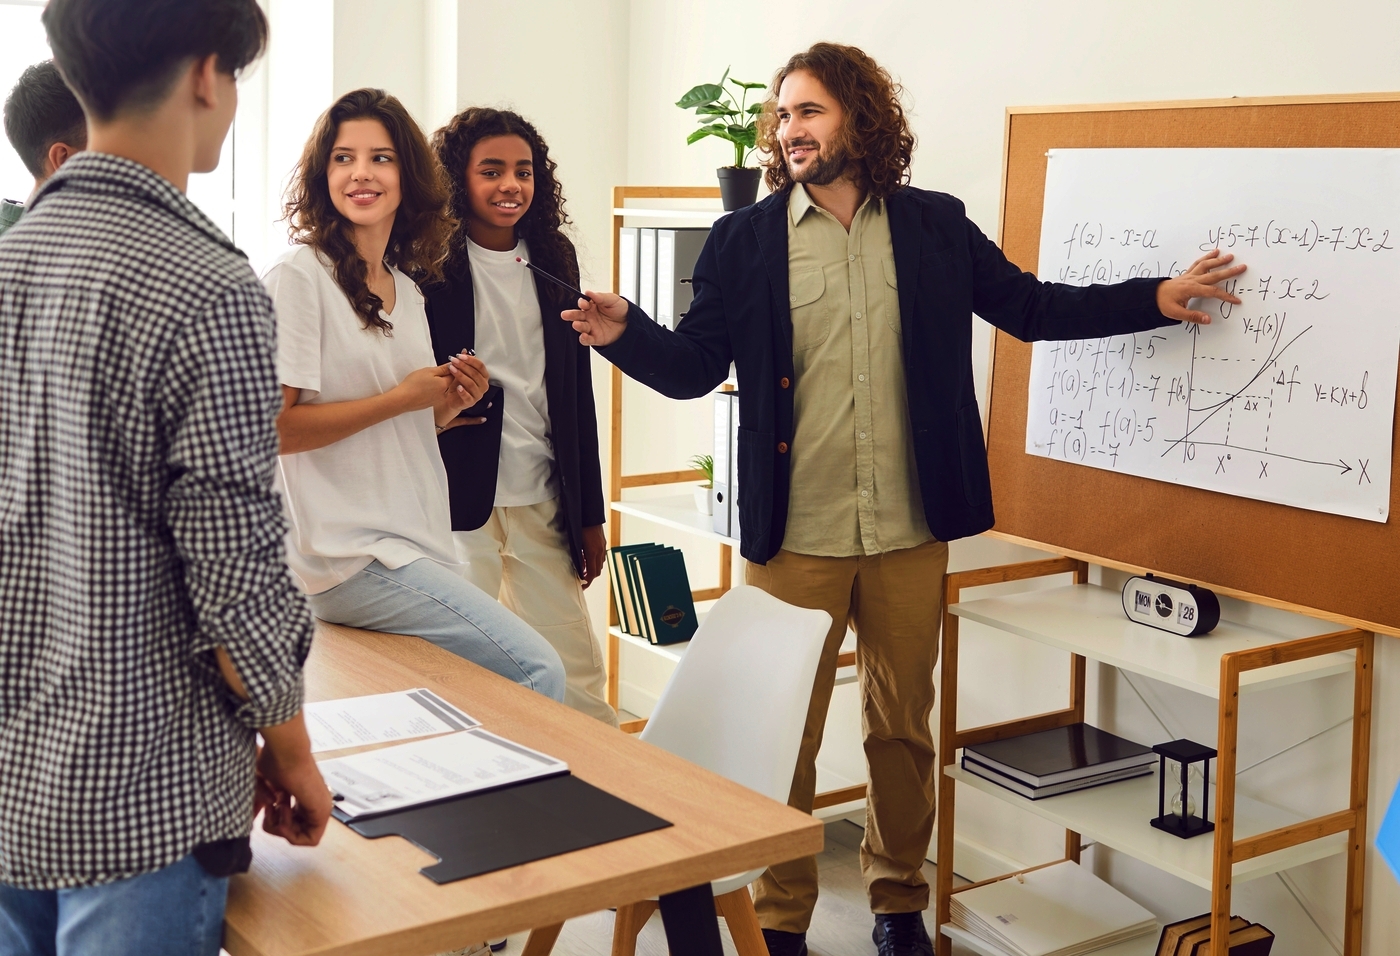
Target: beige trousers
521, 555
894, 601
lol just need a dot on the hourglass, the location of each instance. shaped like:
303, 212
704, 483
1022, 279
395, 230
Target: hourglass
1182, 819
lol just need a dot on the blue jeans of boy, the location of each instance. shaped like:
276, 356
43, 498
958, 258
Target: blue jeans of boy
175, 911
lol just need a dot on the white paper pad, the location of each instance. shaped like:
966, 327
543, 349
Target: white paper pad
1058, 910
425, 771
381, 718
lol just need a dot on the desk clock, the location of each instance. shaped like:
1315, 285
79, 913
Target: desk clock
1171, 606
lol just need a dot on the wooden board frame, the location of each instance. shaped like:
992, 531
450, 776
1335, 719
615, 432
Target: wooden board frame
1327, 566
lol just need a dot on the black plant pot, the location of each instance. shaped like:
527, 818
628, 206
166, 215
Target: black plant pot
738, 186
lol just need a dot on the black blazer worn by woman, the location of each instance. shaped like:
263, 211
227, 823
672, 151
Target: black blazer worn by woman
573, 421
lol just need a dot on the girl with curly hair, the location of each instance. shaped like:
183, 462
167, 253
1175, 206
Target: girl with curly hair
526, 488
365, 488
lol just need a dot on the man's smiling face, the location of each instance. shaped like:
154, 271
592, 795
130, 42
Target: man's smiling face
809, 125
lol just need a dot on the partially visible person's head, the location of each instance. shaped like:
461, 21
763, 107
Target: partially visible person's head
501, 174
44, 121
124, 56
832, 111
368, 161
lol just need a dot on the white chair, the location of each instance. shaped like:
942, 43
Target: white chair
736, 704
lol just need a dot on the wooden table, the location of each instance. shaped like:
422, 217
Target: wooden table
352, 896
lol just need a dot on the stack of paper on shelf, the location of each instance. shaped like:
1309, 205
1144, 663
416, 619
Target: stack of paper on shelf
1057, 761
1191, 937
1060, 910
651, 592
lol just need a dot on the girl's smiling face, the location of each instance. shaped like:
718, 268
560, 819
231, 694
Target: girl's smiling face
500, 181
363, 173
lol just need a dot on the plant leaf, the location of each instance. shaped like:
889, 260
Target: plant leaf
744, 135
701, 95
751, 86
715, 109
754, 109
726, 74
716, 130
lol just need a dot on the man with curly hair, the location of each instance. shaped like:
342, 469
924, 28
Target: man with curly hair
845, 301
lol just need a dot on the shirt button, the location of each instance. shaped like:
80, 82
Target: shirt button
782, 448
852, 258
857, 315
860, 377
862, 434
865, 494
784, 382
792, 298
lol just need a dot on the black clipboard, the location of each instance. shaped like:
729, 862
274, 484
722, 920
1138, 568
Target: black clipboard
472, 454
481, 832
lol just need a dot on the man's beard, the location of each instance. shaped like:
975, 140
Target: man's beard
821, 170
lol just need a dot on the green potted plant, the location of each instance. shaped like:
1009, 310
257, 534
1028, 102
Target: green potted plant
706, 465
720, 114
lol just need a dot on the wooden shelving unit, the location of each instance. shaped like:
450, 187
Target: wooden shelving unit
676, 512
1233, 661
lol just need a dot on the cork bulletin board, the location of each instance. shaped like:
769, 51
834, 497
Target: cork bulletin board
1339, 568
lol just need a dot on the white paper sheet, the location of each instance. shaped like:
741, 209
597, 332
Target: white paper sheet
424, 771
381, 718
1289, 397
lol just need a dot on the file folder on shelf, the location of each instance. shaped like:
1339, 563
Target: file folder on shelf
646, 271
721, 496
676, 253
627, 264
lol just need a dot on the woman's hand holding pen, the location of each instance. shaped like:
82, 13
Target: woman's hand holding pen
599, 322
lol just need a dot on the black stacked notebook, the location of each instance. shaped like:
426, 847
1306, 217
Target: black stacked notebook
1058, 761
651, 592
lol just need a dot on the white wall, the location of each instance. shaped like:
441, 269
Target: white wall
962, 65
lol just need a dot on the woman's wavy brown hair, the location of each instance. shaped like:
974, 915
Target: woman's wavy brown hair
543, 223
422, 226
875, 133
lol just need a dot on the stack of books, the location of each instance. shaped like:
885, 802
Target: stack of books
1060, 910
651, 592
1057, 761
1191, 937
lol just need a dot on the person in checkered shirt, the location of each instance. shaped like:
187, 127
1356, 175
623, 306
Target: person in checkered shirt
150, 625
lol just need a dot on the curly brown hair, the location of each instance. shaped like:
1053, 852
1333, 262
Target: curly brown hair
422, 226
875, 134
542, 225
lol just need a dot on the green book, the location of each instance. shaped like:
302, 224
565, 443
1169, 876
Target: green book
620, 576
634, 590
667, 607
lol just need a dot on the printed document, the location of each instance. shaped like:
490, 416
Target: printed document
381, 718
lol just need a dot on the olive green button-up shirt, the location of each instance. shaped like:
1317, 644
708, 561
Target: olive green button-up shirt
10, 212
854, 487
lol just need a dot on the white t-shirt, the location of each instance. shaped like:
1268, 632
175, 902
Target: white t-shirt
510, 340
382, 492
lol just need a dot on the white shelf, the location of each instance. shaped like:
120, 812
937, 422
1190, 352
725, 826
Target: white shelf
674, 511
708, 216
674, 652
1117, 816
1088, 620
965, 942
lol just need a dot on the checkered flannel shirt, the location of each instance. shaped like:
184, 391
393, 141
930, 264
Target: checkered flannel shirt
139, 529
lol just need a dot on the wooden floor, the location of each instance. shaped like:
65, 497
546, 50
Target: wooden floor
840, 927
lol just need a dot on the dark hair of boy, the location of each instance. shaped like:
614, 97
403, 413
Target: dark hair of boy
40, 111
542, 223
422, 226
123, 55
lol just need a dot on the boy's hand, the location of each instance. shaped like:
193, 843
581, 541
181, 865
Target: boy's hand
600, 322
595, 553
290, 791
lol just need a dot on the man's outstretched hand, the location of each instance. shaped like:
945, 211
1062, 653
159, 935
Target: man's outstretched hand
1201, 281
600, 322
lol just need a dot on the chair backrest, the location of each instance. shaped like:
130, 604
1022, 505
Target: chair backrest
738, 699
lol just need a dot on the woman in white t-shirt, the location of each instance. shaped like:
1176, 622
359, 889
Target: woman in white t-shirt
360, 472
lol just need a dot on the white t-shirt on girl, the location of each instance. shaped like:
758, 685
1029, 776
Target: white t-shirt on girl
382, 492
510, 340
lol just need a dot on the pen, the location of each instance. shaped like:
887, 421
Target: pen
557, 281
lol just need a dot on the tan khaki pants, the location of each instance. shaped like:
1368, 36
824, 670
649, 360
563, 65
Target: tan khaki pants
521, 555
894, 601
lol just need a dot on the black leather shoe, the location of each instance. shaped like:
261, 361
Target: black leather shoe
901, 934
781, 943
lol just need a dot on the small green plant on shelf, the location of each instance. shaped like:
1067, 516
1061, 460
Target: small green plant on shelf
724, 116
705, 464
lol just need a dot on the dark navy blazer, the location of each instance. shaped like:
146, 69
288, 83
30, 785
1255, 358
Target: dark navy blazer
946, 270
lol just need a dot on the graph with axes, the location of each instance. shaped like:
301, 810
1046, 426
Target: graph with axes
1287, 397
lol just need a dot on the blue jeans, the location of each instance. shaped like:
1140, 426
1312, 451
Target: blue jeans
427, 600
177, 911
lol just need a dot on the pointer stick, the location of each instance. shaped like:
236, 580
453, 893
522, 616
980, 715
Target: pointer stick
557, 281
